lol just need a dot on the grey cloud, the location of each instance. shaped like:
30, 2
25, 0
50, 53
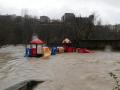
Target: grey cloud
108, 10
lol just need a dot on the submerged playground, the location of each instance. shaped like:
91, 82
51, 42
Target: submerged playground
38, 48
65, 71
66, 67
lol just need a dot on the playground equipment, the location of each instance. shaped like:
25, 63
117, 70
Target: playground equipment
46, 52
66, 44
60, 49
83, 50
35, 48
53, 50
70, 49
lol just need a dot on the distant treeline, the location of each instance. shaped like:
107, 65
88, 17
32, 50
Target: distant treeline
19, 30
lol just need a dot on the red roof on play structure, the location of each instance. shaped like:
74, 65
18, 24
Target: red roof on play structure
37, 41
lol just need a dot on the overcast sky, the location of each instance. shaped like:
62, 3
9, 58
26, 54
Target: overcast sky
107, 10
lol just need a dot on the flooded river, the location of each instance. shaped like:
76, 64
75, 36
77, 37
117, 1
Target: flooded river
67, 71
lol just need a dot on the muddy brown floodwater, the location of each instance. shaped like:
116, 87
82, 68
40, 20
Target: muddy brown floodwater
67, 71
